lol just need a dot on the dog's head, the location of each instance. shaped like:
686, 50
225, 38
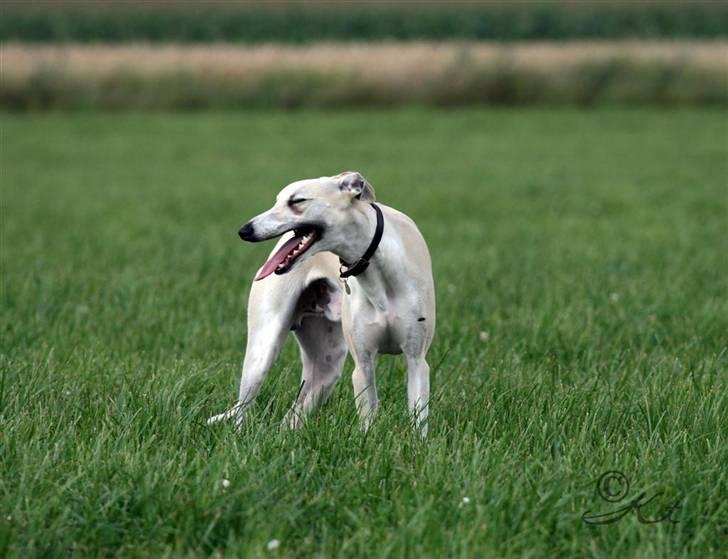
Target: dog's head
313, 209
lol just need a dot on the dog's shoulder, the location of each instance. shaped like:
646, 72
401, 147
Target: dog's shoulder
397, 217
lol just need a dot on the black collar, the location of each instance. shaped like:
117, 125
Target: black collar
360, 265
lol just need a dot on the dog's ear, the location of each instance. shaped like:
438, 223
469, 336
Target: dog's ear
356, 185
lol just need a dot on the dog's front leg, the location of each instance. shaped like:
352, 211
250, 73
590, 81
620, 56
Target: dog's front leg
365, 388
418, 391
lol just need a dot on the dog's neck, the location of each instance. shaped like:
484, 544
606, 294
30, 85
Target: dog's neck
357, 237
357, 233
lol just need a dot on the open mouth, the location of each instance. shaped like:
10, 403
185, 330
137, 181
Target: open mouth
285, 257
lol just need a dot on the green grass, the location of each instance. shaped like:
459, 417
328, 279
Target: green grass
589, 248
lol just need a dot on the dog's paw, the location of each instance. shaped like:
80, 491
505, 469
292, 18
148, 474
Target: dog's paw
293, 420
236, 412
216, 419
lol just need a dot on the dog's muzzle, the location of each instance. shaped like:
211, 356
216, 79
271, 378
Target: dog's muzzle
247, 232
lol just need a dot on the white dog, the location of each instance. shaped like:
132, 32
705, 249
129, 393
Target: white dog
335, 235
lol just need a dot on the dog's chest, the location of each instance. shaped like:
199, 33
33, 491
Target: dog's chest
376, 328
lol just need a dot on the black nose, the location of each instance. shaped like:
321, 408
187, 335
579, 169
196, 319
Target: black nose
247, 233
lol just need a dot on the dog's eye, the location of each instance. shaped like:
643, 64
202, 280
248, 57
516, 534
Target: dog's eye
293, 201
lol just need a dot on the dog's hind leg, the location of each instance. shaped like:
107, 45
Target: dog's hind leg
270, 313
323, 351
262, 349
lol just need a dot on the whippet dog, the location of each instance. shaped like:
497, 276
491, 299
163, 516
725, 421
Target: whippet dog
347, 274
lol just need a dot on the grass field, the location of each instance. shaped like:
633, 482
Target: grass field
581, 272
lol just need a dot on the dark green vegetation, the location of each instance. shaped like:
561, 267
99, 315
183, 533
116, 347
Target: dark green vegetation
581, 275
296, 23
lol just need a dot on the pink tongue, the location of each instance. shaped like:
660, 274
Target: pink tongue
270, 266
